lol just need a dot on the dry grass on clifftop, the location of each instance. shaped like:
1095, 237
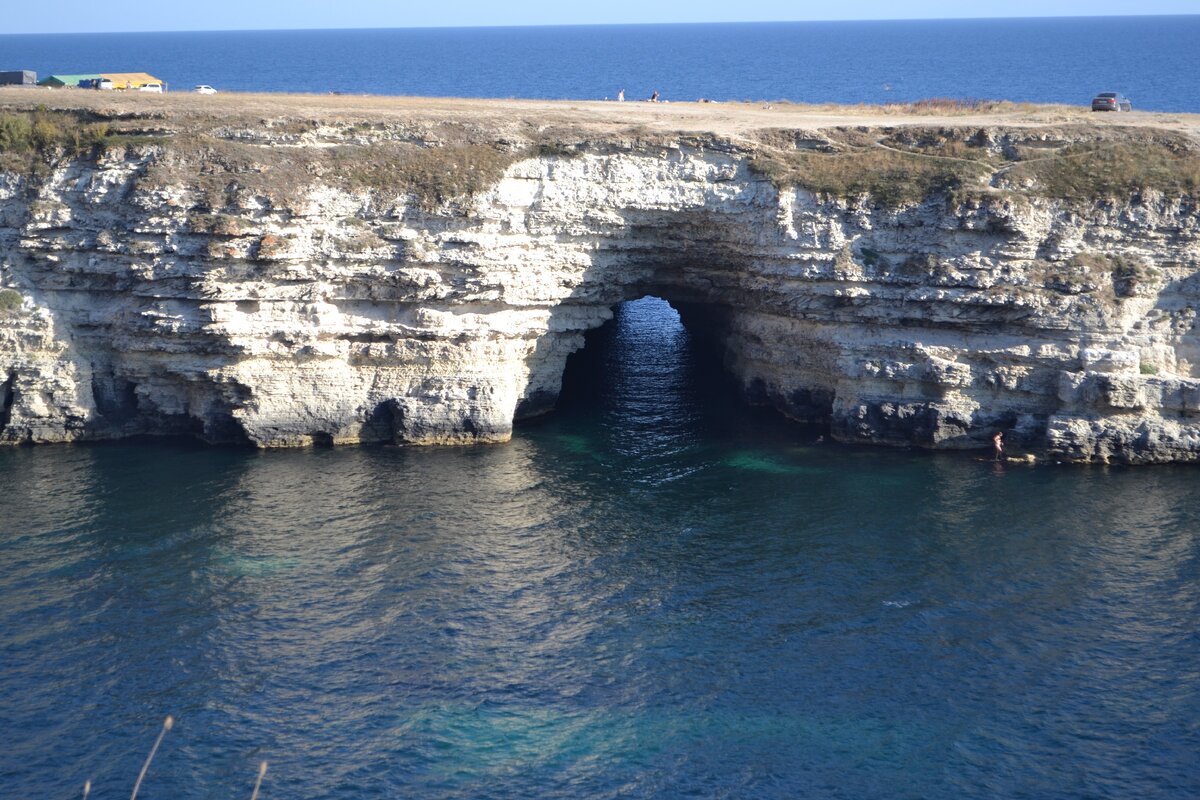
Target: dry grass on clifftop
1098, 171
906, 165
434, 151
433, 175
888, 176
30, 139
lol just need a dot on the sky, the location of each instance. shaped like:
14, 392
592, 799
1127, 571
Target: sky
88, 16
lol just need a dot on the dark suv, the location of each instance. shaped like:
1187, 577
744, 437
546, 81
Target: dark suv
1111, 101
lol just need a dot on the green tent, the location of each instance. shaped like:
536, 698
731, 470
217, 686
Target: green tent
66, 80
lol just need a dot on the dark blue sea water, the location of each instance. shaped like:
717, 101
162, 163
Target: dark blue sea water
1154, 60
654, 592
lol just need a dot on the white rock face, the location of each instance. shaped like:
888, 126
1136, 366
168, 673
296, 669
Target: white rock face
361, 317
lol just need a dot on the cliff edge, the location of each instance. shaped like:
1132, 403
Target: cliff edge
284, 271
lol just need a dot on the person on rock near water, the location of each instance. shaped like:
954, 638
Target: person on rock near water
998, 443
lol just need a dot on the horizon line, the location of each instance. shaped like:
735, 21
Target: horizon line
605, 24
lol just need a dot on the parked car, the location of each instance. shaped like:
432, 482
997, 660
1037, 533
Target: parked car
151, 87
204, 89
1111, 101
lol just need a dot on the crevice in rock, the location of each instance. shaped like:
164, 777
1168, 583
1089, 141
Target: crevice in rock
8, 396
222, 428
384, 424
115, 397
535, 404
810, 406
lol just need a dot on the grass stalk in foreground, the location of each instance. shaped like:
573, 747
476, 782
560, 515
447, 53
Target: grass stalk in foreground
262, 770
167, 725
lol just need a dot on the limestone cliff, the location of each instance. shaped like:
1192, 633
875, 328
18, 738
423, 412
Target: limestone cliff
288, 285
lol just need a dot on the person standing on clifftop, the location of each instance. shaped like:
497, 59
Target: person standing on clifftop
654, 97
621, 96
998, 442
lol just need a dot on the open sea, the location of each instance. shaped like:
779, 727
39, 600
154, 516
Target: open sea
655, 592
1154, 60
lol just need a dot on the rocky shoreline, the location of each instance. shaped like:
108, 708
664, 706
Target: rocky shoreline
289, 282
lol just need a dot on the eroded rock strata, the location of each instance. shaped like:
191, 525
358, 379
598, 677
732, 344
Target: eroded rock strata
237, 297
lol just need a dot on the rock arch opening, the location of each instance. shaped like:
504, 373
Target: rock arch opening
657, 375
642, 362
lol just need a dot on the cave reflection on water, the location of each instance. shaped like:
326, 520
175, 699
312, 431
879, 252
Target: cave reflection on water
653, 592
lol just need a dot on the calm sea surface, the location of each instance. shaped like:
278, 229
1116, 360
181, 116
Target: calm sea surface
1154, 60
652, 593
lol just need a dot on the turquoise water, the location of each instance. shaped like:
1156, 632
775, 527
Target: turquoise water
1153, 60
652, 593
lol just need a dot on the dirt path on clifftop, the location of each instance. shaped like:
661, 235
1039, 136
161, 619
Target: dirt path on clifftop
591, 118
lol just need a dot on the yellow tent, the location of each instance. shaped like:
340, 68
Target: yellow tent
129, 80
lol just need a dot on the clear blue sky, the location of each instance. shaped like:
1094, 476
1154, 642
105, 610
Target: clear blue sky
71, 16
